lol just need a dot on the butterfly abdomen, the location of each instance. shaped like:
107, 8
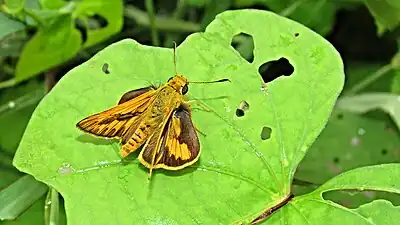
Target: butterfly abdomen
138, 138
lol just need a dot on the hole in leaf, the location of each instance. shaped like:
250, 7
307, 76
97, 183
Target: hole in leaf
243, 106
271, 70
266, 133
244, 44
104, 68
296, 34
336, 160
239, 112
384, 151
96, 22
79, 25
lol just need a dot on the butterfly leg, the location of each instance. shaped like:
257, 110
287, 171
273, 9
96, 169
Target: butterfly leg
197, 129
202, 106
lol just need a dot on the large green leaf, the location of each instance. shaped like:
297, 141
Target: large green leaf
239, 174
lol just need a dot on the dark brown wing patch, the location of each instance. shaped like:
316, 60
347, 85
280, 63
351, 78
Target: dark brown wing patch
176, 147
135, 93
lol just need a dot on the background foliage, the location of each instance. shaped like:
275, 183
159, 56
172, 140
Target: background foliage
41, 40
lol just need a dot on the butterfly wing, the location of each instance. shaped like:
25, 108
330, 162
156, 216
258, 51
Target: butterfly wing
135, 93
115, 121
174, 147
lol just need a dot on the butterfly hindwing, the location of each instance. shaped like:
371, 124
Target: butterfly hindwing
176, 147
115, 121
135, 93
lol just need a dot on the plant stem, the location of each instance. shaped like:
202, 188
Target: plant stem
50, 79
290, 9
152, 18
369, 79
51, 207
7, 83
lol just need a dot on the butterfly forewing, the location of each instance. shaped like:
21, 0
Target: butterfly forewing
176, 147
115, 121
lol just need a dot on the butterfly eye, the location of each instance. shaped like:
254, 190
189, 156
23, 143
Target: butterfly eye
170, 79
185, 89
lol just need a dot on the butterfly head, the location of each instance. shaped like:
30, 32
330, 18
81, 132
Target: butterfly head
179, 83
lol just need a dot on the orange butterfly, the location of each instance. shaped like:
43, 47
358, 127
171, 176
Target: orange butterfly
158, 118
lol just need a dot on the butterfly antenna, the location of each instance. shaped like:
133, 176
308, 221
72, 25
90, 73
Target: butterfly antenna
176, 71
207, 82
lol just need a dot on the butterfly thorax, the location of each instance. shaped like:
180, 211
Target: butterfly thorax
178, 83
165, 101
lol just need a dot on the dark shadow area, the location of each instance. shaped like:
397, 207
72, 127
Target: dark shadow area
97, 22
363, 43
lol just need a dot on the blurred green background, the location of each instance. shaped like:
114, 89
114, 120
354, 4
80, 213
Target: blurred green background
41, 40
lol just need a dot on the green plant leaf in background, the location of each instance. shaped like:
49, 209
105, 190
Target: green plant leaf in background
362, 103
362, 142
16, 107
110, 10
19, 196
57, 40
34, 215
396, 83
52, 4
49, 47
386, 13
13, 6
380, 212
313, 209
239, 175
8, 26
315, 14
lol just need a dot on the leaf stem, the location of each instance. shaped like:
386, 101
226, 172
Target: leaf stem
369, 79
152, 18
51, 207
7, 83
290, 9
50, 79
